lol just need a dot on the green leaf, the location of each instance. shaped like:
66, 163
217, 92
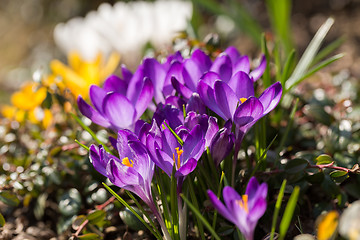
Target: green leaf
309, 54
296, 165
288, 214
78, 221
96, 216
327, 50
2, 220
316, 177
277, 209
131, 220
123, 202
339, 176
266, 76
323, 159
175, 135
89, 236
93, 135
9, 198
290, 61
200, 216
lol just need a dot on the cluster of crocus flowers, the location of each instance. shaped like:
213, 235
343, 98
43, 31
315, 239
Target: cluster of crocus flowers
80, 74
243, 210
26, 104
181, 92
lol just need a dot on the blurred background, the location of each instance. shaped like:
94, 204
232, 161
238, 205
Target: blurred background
27, 42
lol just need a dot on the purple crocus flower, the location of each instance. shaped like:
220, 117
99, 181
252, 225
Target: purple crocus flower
244, 211
235, 100
226, 65
222, 143
166, 151
133, 170
115, 106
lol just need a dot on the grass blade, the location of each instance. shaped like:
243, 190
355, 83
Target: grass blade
290, 61
309, 54
123, 202
318, 67
327, 50
200, 216
93, 135
288, 214
277, 208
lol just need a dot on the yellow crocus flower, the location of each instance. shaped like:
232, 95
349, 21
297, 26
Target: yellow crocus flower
26, 104
80, 74
328, 225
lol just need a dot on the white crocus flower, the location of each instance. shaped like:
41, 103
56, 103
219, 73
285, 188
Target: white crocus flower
124, 27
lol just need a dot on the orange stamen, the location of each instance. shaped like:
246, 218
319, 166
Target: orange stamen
178, 152
127, 163
243, 203
242, 100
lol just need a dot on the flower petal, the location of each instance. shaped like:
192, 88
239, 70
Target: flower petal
181, 88
92, 114
242, 85
258, 72
119, 110
225, 99
242, 64
208, 96
248, 113
270, 98
222, 65
219, 206
97, 96
115, 84
145, 96
186, 168
233, 53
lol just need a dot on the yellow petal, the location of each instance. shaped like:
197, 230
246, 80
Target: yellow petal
74, 82
48, 118
29, 97
327, 226
110, 66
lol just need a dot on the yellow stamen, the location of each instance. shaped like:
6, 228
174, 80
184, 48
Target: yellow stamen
243, 203
127, 163
242, 100
178, 152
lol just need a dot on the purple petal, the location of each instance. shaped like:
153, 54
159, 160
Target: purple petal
122, 176
182, 89
91, 113
233, 54
257, 210
98, 163
135, 84
242, 64
248, 113
119, 110
207, 95
202, 60
156, 72
242, 85
195, 104
122, 143
115, 84
222, 65
126, 73
212, 129
97, 96
145, 96
229, 195
191, 74
219, 206
258, 72
175, 71
164, 161
271, 97
194, 145
186, 168
210, 78
225, 99
252, 187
